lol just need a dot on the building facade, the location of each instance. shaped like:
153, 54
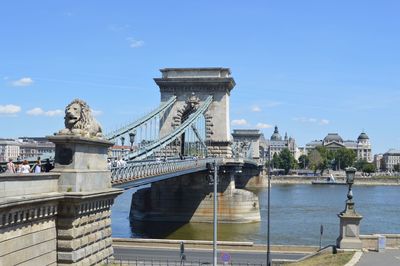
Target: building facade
31, 148
391, 158
333, 141
9, 149
276, 144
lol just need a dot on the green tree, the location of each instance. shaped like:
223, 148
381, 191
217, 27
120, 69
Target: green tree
276, 161
343, 158
304, 161
364, 166
396, 167
315, 160
325, 158
369, 168
287, 160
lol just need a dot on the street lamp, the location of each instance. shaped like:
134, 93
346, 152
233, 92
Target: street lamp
350, 174
213, 177
269, 207
122, 144
132, 138
349, 235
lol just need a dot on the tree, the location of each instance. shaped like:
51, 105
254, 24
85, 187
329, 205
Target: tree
304, 161
276, 161
396, 167
343, 158
287, 160
364, 166
369, 168
325, 156
315, 160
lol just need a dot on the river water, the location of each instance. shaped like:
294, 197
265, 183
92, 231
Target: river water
297, 213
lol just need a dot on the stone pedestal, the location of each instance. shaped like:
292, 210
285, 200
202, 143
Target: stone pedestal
83, 221
349, 235
82, 163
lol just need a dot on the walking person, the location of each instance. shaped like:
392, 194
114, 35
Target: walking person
36, 168
25, 169
10, 167
48, 166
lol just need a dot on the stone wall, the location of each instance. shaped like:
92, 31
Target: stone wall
84, 229
28, 233
370, 242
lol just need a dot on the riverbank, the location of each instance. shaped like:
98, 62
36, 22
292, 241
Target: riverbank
363, 181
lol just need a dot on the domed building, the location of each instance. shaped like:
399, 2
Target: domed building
333, 141
276, 144
364, 148
276, 136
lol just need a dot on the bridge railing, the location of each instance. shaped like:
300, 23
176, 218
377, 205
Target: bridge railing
138, 170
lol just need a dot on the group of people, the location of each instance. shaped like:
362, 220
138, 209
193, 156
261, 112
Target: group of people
25, 168
116, 163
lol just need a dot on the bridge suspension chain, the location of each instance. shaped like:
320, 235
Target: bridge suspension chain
149, 148
142, 121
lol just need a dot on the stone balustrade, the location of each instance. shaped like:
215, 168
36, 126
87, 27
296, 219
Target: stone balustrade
19, 185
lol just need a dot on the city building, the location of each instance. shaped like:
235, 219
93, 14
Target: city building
333, 141
378, 161
391, 158
32, 147
276, 144
9, 149
118, 151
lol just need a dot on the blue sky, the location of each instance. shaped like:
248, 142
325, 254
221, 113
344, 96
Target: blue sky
310, 67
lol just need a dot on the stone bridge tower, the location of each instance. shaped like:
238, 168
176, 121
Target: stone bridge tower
191, 84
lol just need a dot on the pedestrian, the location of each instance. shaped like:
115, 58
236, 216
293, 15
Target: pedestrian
36, 168
48, 166
25, 169
10, 167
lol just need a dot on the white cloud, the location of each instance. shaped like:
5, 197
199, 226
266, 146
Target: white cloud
311, 120
256, 108
133, 43
324, 122
118, 28
263, 125
22, 82
273, 104
96, 112
9, 109
39, 111
239, 122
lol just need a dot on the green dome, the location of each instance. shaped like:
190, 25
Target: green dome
363, 136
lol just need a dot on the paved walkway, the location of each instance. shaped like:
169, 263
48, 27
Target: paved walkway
389, 257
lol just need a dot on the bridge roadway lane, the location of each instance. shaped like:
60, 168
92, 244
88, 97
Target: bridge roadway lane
164, 254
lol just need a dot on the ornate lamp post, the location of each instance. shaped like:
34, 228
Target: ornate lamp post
122, 144
132, 138
349, 237
269, 260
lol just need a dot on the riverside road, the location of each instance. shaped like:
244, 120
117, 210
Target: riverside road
204, 256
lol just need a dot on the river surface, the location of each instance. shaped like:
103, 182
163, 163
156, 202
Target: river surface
297, 213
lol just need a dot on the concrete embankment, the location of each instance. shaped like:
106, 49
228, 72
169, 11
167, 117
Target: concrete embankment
364, 181
208, 245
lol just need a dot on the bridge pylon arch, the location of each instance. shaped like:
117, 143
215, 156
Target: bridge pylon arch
192, 86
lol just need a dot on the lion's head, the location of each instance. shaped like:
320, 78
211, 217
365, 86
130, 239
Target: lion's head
79, 120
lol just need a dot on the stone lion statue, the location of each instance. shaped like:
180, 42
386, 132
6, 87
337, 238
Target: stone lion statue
79, 120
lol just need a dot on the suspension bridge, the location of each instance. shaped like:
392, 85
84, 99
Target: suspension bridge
188, 130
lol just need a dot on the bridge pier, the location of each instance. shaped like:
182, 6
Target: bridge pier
189, 198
